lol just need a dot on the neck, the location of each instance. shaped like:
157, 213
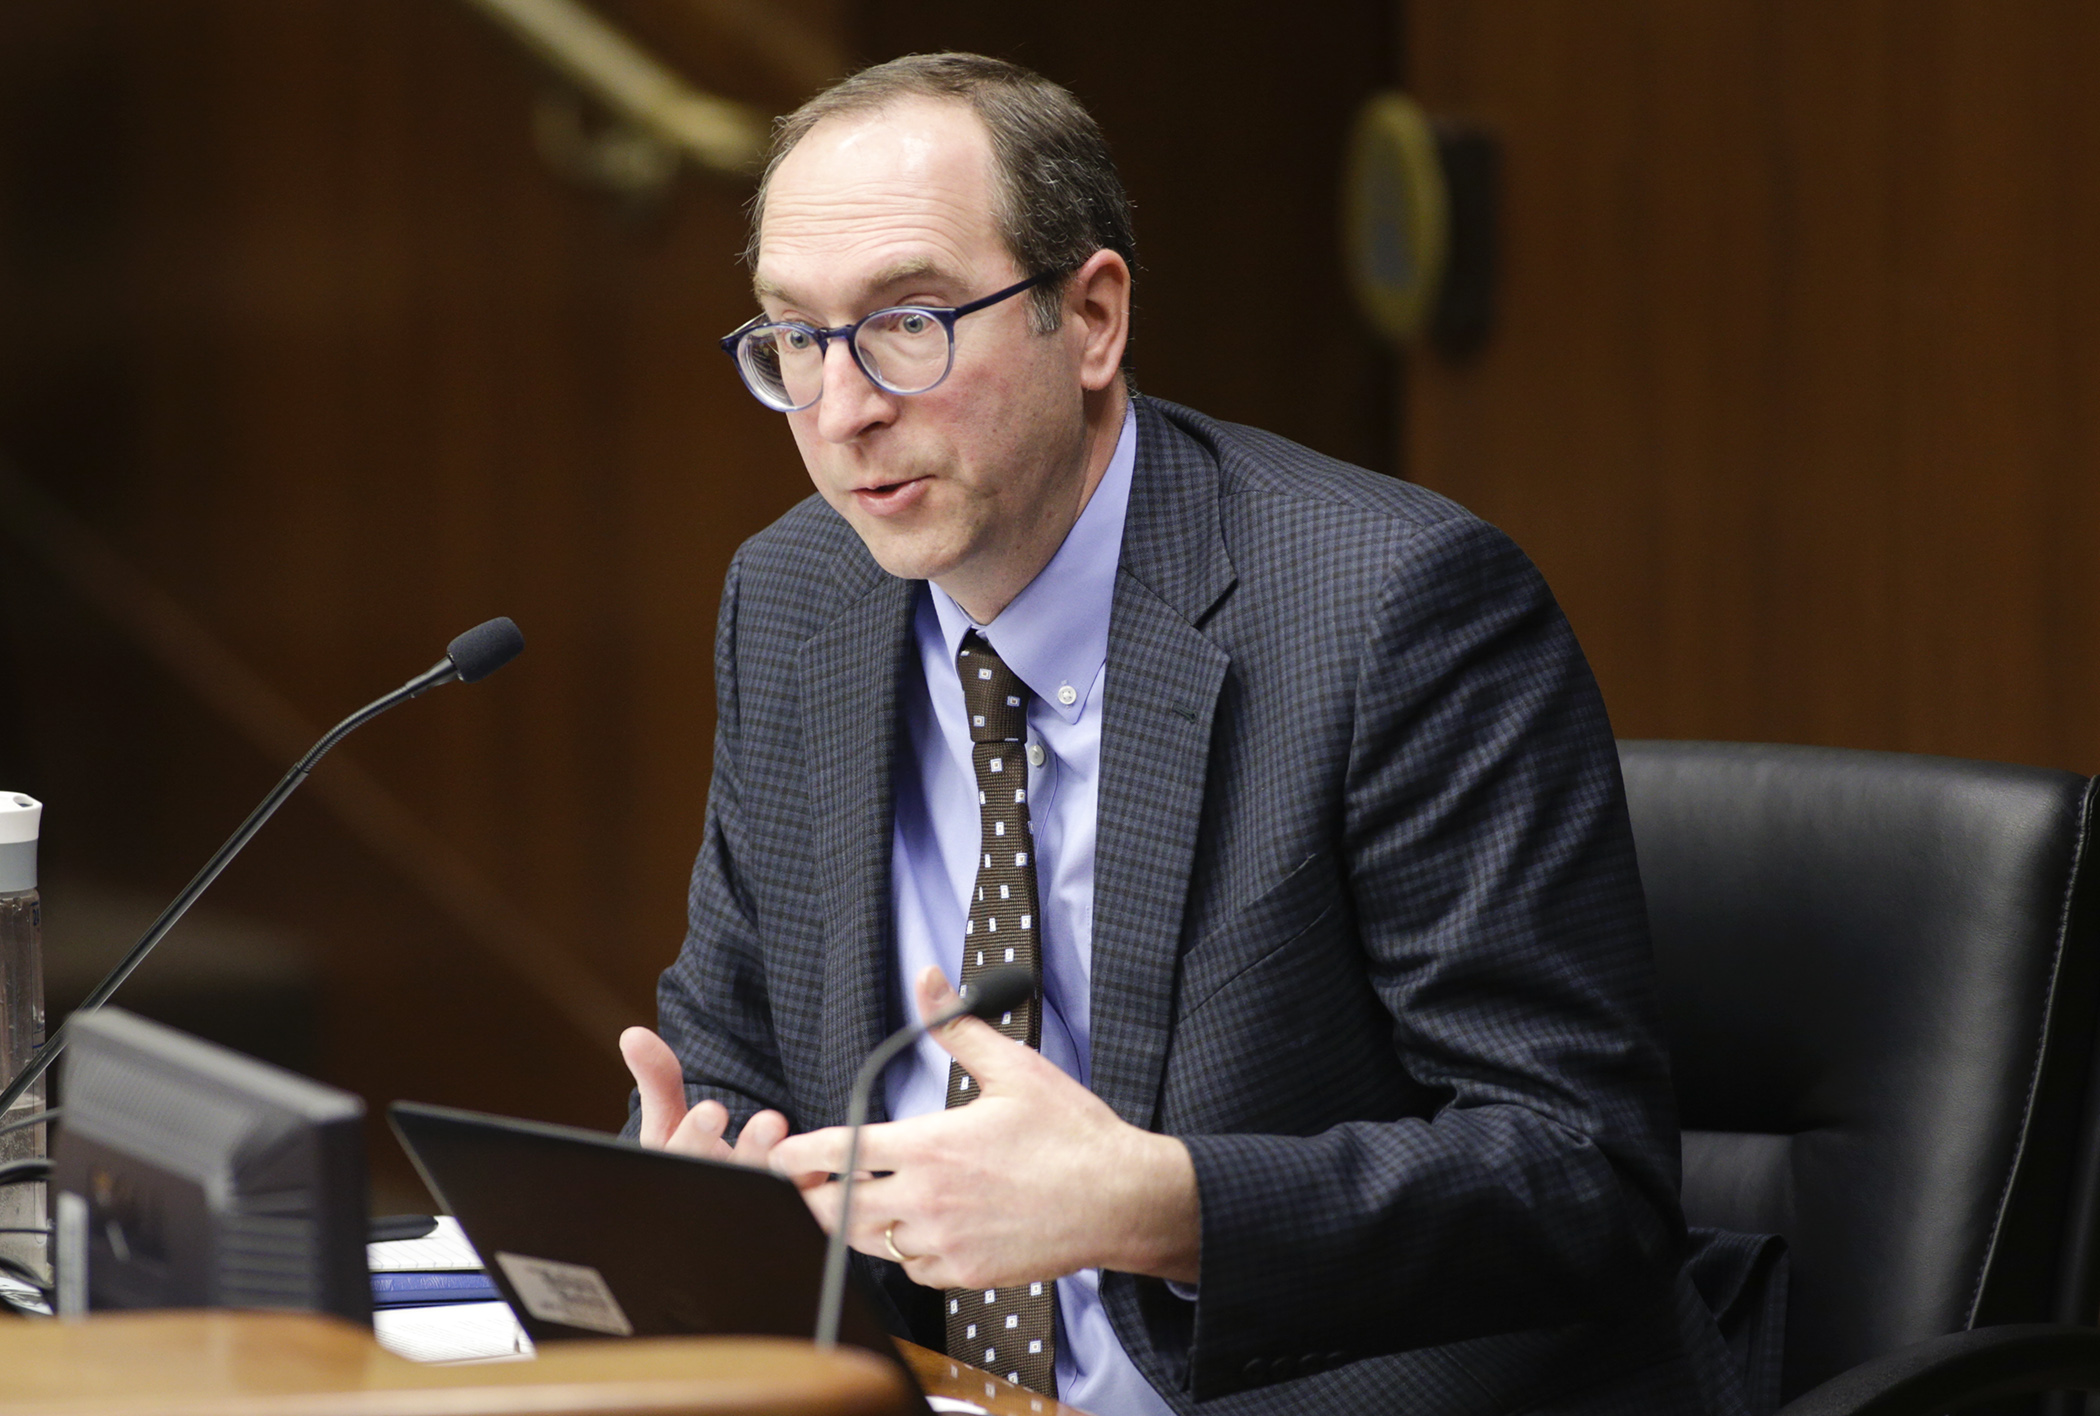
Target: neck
1105, 411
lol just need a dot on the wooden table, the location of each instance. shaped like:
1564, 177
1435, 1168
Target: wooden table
300, 1364
942, 1375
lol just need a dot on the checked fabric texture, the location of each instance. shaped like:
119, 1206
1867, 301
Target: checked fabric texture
1010, 1331
1354, 769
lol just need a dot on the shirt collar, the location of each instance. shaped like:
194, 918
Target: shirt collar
1055, 633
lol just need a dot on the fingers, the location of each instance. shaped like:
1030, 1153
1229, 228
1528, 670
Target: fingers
814, 1156
669, 1124
699, 1132
822, 1197
754, 1144
993, 1060
931, 991
661, 1082
873, 1211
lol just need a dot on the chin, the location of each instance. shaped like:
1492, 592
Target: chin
906, 556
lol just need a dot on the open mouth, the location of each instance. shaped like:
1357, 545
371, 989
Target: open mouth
890, 496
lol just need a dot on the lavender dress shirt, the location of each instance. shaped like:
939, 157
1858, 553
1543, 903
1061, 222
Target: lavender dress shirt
1055, 637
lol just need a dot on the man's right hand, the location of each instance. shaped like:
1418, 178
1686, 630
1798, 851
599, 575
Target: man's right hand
667, 1124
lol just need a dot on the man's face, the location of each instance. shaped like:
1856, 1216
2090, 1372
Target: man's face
972, 484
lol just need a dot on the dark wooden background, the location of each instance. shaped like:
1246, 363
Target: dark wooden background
1793, 396
296, 320
1797, 397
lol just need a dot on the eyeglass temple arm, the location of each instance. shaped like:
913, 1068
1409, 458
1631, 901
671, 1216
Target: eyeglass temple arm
997, 295
825, 336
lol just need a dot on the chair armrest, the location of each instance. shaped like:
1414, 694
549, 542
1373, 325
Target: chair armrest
1948, 1373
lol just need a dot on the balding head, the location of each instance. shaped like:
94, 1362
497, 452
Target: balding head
1055, 195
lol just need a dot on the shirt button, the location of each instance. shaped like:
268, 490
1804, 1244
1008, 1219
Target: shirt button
1035, 754
1067, 695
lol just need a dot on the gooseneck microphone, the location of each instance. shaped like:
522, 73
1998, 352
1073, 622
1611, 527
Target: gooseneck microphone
993, 992
474, 655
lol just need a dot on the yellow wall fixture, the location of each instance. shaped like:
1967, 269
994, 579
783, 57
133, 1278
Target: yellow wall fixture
1395, 216
1418, 219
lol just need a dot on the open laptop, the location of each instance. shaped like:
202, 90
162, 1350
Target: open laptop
587, 1235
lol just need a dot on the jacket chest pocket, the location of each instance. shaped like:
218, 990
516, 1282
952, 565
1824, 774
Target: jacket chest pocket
1304, 906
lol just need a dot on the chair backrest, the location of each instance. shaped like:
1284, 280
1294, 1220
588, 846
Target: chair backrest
1880, 986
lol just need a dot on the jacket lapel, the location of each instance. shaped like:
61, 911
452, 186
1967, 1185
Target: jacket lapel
1162, 687
1163, 681
850, 732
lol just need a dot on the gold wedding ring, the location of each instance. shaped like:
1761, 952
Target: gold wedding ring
889, 1241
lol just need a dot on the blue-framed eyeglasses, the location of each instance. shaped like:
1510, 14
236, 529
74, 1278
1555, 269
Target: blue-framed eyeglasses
904, 349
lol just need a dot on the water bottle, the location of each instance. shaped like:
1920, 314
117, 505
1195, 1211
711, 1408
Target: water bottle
21, 1022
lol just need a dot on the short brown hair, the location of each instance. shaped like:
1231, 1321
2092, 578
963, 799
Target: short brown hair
1059, 197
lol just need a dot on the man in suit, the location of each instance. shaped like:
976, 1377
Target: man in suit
1343, 1089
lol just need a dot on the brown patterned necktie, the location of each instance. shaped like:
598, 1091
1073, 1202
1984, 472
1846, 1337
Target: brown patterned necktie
1009, 1331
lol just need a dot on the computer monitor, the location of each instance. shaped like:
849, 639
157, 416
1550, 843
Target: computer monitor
189, 1176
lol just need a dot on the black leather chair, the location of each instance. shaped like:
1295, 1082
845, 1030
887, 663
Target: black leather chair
1881, 980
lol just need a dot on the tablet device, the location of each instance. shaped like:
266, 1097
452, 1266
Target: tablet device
588, 1235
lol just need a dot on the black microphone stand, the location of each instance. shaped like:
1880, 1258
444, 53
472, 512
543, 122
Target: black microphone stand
477, 655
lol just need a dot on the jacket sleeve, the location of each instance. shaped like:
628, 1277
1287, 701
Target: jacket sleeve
1489, 883
711, 1002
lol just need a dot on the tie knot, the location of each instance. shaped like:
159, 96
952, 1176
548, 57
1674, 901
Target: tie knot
993, 695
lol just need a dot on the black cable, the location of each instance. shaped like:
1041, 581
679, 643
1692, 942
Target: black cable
24, 1274
34, 1118
20, 1172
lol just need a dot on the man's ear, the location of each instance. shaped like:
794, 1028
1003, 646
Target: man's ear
1097, 309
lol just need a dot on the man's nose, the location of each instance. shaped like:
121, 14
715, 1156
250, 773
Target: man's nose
852, 402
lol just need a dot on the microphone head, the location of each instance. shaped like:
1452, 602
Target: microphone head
997, 991
485, 648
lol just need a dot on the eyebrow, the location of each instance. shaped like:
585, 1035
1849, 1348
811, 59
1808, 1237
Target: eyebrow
915, 268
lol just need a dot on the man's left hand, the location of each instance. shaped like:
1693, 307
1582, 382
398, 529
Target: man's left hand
1036, 1178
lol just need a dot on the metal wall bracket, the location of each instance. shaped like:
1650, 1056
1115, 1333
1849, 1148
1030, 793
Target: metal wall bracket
652, 119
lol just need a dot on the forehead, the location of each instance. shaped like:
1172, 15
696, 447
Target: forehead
865, 196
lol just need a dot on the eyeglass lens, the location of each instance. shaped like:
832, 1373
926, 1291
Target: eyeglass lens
902, 350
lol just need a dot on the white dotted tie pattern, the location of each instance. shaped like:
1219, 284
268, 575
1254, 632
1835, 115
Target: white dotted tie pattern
1010, 1331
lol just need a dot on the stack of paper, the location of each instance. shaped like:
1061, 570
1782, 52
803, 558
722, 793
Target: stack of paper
450, 1332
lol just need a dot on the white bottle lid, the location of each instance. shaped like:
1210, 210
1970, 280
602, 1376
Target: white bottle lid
20, 818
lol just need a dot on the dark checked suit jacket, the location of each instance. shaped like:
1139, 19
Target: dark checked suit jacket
1367, 935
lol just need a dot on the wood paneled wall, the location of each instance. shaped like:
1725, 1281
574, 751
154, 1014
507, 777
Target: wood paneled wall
1796, 395
294, 317
1227, 120
298, 320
